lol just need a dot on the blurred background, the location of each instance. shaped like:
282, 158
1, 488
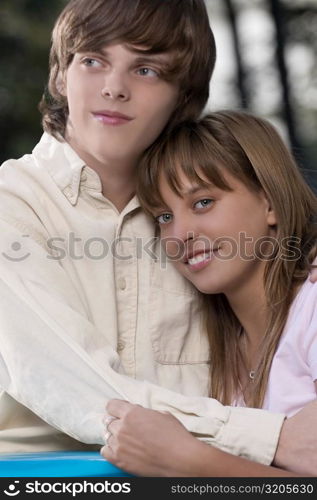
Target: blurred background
267, 63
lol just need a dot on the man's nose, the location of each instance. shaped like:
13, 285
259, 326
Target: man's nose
115, 87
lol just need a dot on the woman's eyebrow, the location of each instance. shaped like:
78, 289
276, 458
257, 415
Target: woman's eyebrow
193, 190
159, 208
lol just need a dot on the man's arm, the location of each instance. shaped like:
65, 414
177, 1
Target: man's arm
147, 442
55, 362
152, 443
297, 446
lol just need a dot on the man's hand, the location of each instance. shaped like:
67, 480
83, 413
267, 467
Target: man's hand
313, 272
297, 447
313, 275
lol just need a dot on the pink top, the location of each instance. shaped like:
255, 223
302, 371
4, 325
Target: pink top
294, 367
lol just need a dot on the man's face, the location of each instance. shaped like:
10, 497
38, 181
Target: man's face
118, 103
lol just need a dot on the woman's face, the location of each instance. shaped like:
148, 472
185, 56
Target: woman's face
216, 238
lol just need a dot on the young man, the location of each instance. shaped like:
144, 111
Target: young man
89, 309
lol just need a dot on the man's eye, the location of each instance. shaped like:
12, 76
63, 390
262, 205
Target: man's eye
163, 218
147, 72
206, 202
91, 62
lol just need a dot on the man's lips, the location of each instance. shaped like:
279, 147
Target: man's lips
111, 117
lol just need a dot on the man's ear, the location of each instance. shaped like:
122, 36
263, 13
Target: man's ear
61, 83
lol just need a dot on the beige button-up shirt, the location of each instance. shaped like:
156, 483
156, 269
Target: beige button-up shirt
90, 310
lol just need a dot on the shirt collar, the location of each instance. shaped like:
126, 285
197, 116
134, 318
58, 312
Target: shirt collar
68, 170
62, 163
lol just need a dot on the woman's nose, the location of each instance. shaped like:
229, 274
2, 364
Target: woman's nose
181, 235
183, 229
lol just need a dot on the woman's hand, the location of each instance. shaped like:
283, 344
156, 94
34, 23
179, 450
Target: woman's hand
147, 442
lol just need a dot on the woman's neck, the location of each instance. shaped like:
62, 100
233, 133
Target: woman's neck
249, 304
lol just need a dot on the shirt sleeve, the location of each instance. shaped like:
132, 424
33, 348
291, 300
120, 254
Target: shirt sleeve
310, 311
56, 363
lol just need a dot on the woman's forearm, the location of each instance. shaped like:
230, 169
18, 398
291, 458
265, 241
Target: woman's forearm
212, 462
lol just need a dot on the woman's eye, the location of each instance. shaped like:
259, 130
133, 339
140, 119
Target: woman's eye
147, 72
91, 62
206, 202
163, 218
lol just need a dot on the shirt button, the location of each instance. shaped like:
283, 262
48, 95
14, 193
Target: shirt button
121, 346
122, 283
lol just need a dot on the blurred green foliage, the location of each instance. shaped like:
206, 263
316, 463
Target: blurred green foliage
25, 30
24, 40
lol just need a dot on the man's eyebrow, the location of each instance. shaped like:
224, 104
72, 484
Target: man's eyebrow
151, 58
141, 56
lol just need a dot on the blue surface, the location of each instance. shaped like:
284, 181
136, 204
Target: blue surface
58, 464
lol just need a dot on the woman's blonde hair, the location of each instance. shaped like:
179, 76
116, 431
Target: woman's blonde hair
179, 27
251, 150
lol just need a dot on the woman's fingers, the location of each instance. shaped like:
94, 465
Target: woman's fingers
118, 407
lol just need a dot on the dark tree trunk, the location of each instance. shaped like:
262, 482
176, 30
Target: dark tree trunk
241, 73
278, 18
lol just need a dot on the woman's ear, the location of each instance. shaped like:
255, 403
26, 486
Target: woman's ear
270, 214
268, 209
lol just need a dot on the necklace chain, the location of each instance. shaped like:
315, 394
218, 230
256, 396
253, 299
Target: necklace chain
252, 375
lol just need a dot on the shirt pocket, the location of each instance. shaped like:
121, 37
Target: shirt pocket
175, 318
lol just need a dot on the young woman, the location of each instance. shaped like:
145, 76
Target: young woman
239, 222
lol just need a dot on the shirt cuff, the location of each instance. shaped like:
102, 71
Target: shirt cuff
250, 433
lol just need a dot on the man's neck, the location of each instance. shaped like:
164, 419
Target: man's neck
118, 189
117, 181
117, 177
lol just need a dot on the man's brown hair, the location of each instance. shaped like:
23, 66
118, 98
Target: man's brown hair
180, 27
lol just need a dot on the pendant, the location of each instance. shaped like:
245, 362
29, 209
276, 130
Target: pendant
252, 374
